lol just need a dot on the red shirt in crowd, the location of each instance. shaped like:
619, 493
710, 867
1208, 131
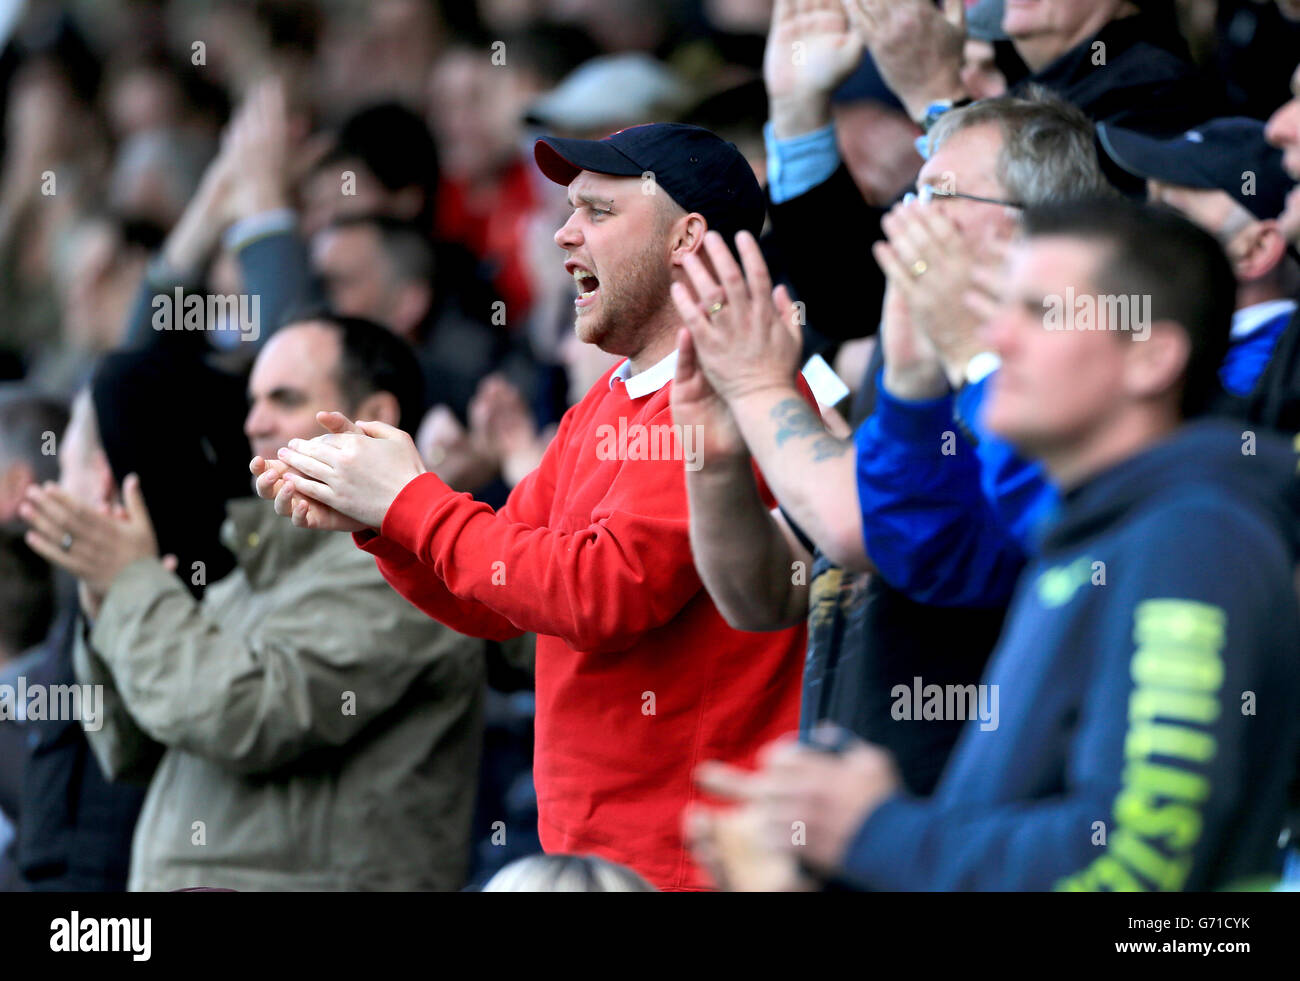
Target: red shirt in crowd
493, 224
638, 676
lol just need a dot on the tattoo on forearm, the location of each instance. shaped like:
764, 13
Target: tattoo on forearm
794, 417
827, 448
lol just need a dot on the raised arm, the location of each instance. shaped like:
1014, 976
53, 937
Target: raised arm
745, 558
749, 348
811, 49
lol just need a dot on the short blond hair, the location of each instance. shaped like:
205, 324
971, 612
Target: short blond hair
566, 873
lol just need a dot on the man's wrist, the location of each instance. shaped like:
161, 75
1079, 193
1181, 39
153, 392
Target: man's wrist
947, 90
919, 384
794, 116
969, 363
750, 401
259, 225
721, 469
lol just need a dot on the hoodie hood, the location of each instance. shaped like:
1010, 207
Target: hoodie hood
1254, 468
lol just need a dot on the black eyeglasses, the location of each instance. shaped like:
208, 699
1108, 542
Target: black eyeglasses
929, 192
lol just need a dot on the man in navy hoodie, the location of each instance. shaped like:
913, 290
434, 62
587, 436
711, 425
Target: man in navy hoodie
1146, 687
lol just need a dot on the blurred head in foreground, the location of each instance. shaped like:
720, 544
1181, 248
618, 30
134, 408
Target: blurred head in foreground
566, 873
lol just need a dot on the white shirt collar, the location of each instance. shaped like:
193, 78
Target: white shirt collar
1249, 319
646, 382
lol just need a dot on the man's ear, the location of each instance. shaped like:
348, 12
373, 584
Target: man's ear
379, 407
688, 237
1259, 248
1157, 363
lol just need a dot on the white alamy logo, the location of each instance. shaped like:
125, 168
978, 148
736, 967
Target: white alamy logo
235, 312
53, 703
959, 703
73, 935
658, 442
1108, 311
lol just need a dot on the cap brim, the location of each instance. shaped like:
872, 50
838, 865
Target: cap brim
1143, 156
561, 159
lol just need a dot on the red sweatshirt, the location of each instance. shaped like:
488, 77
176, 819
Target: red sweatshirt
639, 678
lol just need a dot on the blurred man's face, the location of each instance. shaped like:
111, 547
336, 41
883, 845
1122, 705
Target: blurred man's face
294, 377
979, 70
84, 471
324, 200
474, 110
1043, 30
351, 265
1055, 387
143, 99
967, 163
1283, 131
878, 146
1064, 19
617, 245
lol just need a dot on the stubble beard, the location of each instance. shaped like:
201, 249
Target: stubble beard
619, 323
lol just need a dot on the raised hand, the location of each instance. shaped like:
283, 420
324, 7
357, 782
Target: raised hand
916, 47
93, 543
500, 416
746, 334
811, 48
930, 264
499, 413
258, 140
461, 458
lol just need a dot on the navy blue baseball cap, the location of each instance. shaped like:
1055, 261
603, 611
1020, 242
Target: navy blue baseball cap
1218, 155
698, 169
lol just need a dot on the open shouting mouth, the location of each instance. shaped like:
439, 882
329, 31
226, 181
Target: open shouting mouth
587, 283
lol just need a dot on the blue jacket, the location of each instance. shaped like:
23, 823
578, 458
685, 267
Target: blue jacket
946, 516
951, 512
1148, 693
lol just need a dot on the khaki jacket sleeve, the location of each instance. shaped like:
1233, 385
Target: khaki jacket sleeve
124, 751
331, 656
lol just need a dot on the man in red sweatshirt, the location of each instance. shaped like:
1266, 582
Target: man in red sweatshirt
639, 678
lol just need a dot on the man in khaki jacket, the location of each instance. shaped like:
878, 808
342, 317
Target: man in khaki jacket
318, 731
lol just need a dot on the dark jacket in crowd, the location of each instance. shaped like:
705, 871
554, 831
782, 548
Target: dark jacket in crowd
74, 828
168, 417
1275, 399
1148, 717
